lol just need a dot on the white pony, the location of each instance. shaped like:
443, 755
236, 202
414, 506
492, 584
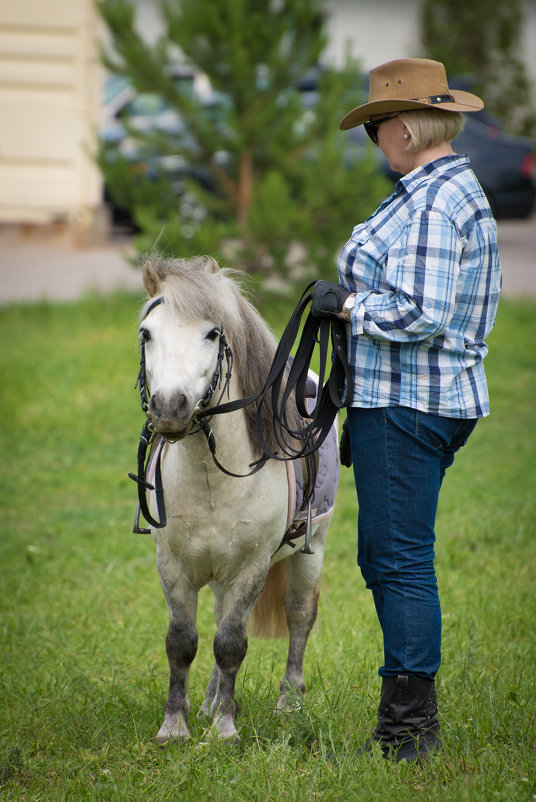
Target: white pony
220, 530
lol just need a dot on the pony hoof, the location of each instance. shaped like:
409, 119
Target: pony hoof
166, 735
204, 711
234, 740
288, 707
163, 739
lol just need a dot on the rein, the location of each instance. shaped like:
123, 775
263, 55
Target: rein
334, 393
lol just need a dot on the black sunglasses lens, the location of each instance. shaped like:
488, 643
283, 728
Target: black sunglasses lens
372, 131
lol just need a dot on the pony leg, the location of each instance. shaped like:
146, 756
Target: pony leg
230, 647
181, 648
301, 605
212, 686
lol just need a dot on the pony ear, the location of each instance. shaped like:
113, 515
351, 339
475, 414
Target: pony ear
150, 280
211, 265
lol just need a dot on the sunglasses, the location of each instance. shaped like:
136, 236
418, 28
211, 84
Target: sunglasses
372, 127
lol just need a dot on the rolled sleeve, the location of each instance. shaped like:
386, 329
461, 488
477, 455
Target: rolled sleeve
421, 274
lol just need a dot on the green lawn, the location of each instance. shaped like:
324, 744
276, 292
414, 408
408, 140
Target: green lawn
82, 618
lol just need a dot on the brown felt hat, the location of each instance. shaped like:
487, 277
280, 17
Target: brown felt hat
410, 83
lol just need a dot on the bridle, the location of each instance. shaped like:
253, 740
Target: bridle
224, 351
220, 381
283, 384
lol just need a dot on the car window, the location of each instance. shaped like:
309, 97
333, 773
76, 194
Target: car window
146, 104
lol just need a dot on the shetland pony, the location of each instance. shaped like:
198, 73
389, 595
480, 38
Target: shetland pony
221, 530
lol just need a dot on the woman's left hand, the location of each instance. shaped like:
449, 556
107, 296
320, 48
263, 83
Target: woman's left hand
328, 299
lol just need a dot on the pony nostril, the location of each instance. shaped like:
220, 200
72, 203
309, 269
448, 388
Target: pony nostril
181, 405
152, 408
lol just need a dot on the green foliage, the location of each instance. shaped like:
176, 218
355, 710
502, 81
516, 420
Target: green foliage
267, 171
83, 674
482, 39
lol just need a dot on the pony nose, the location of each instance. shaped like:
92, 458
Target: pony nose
169, 413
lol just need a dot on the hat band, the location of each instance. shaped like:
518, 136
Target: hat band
433, 99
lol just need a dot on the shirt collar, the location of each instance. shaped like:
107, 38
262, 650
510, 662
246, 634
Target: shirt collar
410, 181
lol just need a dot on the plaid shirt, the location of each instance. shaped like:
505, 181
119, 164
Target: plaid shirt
425, 267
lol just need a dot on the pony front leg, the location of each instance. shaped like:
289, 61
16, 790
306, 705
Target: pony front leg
212, 686
181, 648
230, 647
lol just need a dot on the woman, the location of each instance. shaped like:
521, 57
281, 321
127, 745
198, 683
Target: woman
419, 287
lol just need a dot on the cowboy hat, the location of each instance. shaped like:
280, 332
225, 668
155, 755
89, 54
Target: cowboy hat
410, 83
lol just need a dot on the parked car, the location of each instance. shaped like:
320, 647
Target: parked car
504, 164
145, 111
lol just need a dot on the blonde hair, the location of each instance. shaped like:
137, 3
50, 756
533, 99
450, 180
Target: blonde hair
430, 127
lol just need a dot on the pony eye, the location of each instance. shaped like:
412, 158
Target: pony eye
145, 335
213, 334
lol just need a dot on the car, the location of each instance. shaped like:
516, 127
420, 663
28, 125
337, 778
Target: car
126, 111
145, 111
504, 163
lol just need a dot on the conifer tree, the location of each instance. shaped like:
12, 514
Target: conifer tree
269, 178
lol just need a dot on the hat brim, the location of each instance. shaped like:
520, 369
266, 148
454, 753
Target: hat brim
463, 102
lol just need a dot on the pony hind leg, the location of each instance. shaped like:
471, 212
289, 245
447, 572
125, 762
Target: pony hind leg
301, 605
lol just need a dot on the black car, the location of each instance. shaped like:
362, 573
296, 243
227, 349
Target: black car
504, 165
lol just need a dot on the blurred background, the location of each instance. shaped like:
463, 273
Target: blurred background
194, 126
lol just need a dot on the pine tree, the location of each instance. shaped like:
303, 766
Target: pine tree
269, 182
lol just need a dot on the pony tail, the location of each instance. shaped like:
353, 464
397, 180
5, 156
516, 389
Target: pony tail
268, 619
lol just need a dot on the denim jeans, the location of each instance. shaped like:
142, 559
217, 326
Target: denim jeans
400, 457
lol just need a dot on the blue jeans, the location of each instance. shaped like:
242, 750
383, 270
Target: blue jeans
400, 457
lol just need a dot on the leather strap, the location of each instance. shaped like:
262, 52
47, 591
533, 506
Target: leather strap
335, 391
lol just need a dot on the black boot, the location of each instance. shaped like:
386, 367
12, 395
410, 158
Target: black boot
407, 719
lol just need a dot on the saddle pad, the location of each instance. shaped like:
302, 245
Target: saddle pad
327, 481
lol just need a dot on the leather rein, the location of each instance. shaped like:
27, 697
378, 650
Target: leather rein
334, 393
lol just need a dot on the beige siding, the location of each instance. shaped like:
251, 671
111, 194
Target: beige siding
50, 81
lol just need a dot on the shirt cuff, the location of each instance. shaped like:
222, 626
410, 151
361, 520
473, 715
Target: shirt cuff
357, 315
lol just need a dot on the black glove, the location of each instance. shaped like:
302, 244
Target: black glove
345, 449
327, 299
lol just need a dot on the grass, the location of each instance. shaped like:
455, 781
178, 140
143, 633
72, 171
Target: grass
82, 617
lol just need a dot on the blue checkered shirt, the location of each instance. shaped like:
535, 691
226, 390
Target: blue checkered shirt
425, 267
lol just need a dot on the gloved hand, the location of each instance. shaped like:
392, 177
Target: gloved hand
345, 449
327, 299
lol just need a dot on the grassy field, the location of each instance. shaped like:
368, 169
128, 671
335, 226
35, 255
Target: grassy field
82, 618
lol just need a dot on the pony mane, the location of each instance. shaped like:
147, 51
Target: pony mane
197, 289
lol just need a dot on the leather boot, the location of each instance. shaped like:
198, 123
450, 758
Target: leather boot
407, 719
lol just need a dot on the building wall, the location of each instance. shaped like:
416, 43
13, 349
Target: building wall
50, 87
372, 32
376, 31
